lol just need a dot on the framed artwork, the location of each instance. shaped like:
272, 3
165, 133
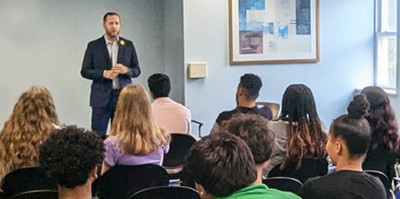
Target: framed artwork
273, 31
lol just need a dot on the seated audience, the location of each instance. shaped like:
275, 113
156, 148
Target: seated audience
222, 166
31, 122
246, 94
300, 142
253, 129
348, 141
71, 156
384, 139
135, 137
169, 115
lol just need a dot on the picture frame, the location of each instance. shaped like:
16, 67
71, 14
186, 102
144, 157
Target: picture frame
273, 31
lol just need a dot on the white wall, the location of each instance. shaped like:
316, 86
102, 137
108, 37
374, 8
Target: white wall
43, 42
347, 59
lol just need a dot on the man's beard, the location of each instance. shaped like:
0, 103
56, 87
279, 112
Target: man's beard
111, 35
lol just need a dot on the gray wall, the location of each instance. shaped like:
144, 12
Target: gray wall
173, 47
43, 42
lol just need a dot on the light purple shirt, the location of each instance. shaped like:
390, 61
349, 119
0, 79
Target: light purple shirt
114, 156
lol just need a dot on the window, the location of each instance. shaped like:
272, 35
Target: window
386, 44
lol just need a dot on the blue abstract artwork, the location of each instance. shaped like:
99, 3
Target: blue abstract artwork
283, 31
303, 17
245, 5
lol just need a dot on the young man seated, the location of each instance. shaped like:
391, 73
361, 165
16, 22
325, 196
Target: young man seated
247, 93
348, 140
71, 156
222, 166
253, 129
169, 115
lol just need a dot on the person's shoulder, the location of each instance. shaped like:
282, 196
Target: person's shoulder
97, 41
278, 124
225, 115
111, 140
312, 187
372, 179
316, 183
181, 106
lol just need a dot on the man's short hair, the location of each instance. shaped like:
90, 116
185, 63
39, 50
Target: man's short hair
251, 84
70, 154
110, 14
159, 84
253, 129
222, 163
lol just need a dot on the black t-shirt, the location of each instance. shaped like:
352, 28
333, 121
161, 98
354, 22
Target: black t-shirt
226, 115
343, 185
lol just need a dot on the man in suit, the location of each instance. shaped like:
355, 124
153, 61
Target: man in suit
110, 62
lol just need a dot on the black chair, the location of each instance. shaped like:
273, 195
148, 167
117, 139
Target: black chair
27, 179
122, 181
284, 184
167, 192
178, 148
199, 124
36, 194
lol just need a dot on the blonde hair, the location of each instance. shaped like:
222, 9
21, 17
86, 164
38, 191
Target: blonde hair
134, 126
31, 122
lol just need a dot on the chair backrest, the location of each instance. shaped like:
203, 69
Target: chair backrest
382, 176
199, 125
284, 184
273, 106
167, 192
37, 194
122, 181
27, 179
178, 148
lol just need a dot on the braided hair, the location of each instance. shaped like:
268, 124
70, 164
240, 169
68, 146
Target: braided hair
306, 140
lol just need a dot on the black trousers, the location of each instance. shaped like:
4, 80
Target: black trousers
102, 115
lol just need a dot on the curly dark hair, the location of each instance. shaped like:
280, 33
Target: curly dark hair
253, 129
69, 155
382, 118
251, 84
222, 163
306, 140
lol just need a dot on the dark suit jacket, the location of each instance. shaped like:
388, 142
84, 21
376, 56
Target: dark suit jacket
97, 60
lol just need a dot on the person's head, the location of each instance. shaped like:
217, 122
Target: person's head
159, 85
253, 129
71, 156
349, 134
31, 122
220, 164
248, 88
305, 137
134, 124
381, 117
111, 24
